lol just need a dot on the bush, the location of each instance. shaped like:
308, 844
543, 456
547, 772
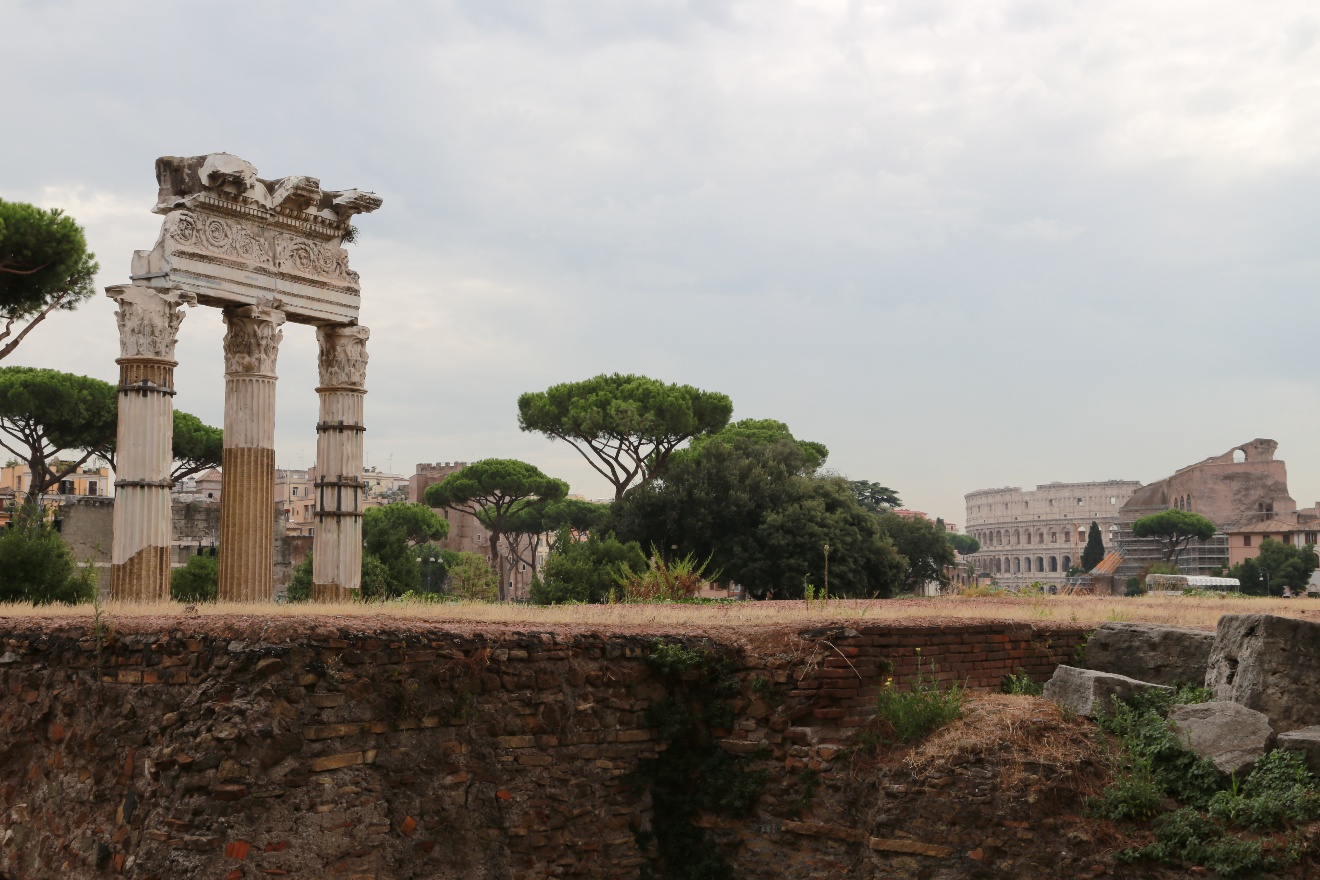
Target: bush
1279, 790
377, 582
197, 581
1022, 685
662, 581
584, 571
909, 716
37, 566
300, 586
1134, 587
471, 578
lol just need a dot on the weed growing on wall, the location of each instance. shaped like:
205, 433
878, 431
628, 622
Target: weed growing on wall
913, 715
1021, 684
693, 775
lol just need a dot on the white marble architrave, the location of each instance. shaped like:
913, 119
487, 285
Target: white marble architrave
149, 322
247, 472
337, 549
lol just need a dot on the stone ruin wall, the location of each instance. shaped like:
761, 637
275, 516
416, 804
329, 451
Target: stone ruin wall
430, 753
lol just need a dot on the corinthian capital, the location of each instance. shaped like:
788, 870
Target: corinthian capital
252, 339
149, 320
343, 356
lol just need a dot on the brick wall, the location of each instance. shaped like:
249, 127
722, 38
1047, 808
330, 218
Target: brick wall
207, 748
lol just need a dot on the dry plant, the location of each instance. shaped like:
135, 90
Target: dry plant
663, 581
1078, 610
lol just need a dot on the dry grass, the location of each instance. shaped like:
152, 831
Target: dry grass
1079, 610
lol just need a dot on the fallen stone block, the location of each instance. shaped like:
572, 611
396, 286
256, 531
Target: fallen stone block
1305, 740
1151, 652
1090, 692
1266, 663
1232, 736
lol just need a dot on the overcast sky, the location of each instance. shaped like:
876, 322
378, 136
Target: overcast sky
964, 244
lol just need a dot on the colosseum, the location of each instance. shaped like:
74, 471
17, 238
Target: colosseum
1037, 535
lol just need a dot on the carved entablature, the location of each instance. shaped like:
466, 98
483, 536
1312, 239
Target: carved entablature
343, 356
149, 320
252, 340
232, 238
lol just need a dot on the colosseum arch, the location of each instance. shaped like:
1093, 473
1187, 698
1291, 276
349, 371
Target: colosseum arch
1040, 537
1067, 563
1054, 563
1040, 563
1054, 537
1017, 565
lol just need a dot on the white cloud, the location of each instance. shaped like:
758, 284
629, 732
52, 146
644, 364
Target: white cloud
1041, 230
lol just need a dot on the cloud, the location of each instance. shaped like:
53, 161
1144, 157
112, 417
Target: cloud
1040, 230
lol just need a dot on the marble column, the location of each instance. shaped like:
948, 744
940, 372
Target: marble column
337, 546
247, 475
149, 322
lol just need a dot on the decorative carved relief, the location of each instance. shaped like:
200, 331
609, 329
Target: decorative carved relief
252, 340
343, 358
221, 238
300, 256
148, 320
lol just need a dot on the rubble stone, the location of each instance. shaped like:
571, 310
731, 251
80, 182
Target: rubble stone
1232, 736
1151, 652
1265, 662
1089, 692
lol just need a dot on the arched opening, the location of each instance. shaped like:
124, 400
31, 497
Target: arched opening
1054, 563
1017, 536
1040, 563
1027, 535
1067, 563
1017, 566
1040, 537
1054, 537
1239, 456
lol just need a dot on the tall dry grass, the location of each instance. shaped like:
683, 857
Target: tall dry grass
1086, 610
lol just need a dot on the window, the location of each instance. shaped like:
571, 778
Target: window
1079, 502
295, 491
1113, 499
1246, 540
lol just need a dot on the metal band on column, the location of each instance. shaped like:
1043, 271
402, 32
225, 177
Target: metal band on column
337, 546
247, 475
149, 321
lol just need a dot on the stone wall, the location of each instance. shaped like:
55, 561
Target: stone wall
205, 747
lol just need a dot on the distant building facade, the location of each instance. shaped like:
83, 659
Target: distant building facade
1038, 534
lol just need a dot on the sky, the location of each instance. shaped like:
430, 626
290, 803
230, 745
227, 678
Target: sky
964, 243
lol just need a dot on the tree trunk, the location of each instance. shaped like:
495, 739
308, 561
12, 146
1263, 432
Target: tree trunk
497, 558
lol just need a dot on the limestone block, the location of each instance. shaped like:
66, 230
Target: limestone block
1151, 652
1307, 741
1089, 692
1232, 736
1267, 663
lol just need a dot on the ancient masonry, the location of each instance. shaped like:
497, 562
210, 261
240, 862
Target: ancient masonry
203, 748
265, 252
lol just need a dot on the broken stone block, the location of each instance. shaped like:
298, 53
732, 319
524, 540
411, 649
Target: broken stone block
1307, 741
1266, 663
1151, 652
1090, 692
1232, 736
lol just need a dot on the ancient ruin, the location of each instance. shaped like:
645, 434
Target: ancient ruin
264, 252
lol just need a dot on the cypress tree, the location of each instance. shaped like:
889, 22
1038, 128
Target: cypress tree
1095, 548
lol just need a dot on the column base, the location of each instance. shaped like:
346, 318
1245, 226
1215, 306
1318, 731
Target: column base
144, 577
332, 593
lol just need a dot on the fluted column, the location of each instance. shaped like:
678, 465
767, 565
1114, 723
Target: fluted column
149, 322
247, 474
337, 547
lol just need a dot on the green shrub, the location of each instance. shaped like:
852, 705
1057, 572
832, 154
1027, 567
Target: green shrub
1186, 836
37, 566
909, 716
1134, 587
1133, 794
300, 585
1147, 741
197, 581
1279, 790
472, 579
585, 571
1022, 685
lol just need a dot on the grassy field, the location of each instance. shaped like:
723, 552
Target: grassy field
1200, 612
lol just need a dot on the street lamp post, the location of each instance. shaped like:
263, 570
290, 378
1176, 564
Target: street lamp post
827, 570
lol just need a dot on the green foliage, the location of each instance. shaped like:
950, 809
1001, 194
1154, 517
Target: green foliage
1134, 587
1280, 790
966, 545
37, 566
762, 432
875, 497
471, 578
761, 516
197, 581
923, 545
911, 716
496, 491
1186, 836
389, 534
300, 585
433, 563
44, 413
197, 446
1094, 551
626, 427
1133, 794
661, 581
584, 571
377, 584
1022, 685
1276, 565
1150, 746
1175, 529
44, 266
693, 775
